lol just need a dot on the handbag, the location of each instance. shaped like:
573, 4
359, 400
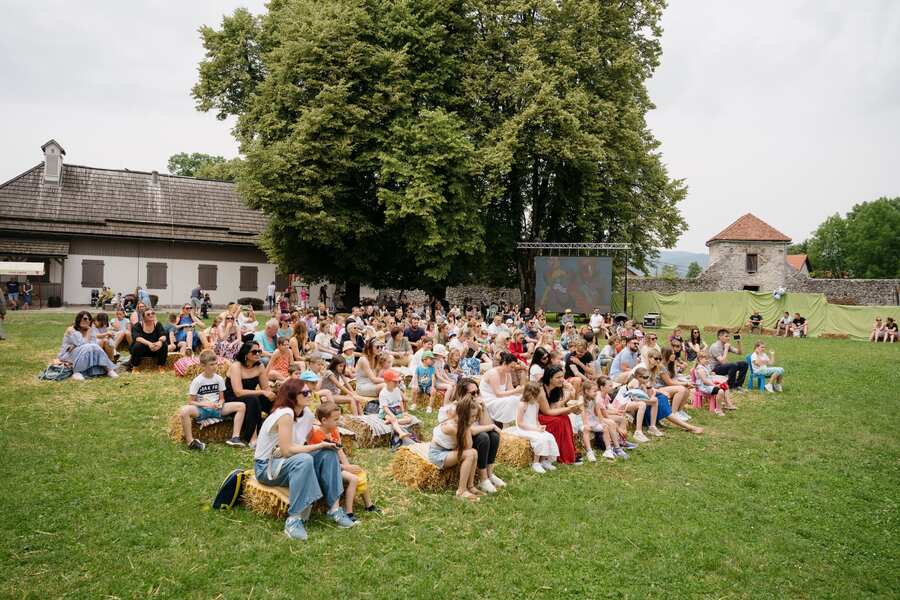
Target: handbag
57, 372
371, 408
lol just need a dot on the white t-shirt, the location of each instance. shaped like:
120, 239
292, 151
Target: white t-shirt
207, 388
323, 340
268, 437
390, 400
270, 290
596, 321
535, 373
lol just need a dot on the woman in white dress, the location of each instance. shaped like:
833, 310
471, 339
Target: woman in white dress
543, 444
497, 392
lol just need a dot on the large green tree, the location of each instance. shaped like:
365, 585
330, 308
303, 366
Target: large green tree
416, 143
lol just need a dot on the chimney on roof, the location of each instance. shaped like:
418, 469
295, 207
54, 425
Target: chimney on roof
53, 161
154, 177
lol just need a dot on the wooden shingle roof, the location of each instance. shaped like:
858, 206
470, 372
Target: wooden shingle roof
749, 228
34, 247
122, 203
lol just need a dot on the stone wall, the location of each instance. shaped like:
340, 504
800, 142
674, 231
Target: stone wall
727, 270
862, 292
457, 295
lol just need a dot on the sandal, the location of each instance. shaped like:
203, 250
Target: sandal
475, 491
467, 496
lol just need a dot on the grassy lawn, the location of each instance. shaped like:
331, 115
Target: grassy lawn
793, 496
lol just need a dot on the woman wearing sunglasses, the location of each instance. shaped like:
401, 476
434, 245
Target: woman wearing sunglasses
150, 340
247, 383
81, 351
284, 458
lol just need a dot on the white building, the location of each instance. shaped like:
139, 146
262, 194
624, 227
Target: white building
93, 227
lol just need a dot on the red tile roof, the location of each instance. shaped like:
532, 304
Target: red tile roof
749, 229
797, 261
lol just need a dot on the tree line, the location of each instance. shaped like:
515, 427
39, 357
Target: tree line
414, 144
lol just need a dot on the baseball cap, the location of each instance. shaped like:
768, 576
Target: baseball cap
428, 354
309, 376
390, 375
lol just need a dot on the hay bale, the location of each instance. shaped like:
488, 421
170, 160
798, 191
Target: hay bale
411, 468
835, 335
365, 437
216, 432
514, 451
348, 439
273, 501
221, 368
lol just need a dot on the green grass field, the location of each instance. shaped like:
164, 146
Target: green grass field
793, 496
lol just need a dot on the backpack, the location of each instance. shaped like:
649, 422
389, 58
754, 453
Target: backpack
232, 488
57, 372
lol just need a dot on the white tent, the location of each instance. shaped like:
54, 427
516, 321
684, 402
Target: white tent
21, 268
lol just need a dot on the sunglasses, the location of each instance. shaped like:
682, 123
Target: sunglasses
475, 392
253, 352
229, 318
149, 312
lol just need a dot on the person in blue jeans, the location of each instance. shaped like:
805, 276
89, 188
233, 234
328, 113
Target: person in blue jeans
310, 471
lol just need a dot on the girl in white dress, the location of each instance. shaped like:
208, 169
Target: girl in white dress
543, 444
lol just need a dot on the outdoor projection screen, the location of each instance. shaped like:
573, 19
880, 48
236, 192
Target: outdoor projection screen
576, 282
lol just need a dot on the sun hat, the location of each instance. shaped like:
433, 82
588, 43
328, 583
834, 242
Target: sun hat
439, 350
390, 375
309, 376
348, 345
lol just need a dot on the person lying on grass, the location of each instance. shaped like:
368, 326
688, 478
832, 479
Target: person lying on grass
543, 444
392, 407
355, 479
451, 445
284, 457
594, 422
206, 400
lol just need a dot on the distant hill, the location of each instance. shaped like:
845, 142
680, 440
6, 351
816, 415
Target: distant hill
680, 260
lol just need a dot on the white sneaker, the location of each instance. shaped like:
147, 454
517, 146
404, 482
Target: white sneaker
591, 457
548, 466
683, 415
537, 468
498, 483
112, 373
778, 387
640, 437
652, 429
413, 407
608, 453
487, 487
769, 388
77, 377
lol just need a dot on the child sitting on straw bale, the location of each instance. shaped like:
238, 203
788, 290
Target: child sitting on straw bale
596, 422
543, 444
207, 401
392, 407
425, 388
355, 479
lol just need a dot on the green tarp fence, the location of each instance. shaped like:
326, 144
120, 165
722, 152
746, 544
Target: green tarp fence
732, 309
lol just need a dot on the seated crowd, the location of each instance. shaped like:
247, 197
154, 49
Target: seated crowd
606, 385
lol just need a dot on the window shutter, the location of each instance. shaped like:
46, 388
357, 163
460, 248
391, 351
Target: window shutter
752, 263
91, 273
157, 275
207, 276
249, 279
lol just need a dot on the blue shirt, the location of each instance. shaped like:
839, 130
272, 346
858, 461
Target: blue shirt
425, 375
265, 342
144, 296
624, 361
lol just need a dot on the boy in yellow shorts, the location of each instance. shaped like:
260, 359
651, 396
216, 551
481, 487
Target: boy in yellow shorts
328, 414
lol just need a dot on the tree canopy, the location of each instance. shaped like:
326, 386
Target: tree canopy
414, 144
204, 166
693, 271
864, 244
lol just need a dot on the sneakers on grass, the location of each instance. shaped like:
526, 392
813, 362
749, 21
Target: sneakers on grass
294, 529
197, 445
778, 387
620, 453
538, 468
609, 454
653, 430
498, 483
548, 466
341, 519
487, 487
76, 376
235, 442
629, 445
640, 437
769, 388
593, 457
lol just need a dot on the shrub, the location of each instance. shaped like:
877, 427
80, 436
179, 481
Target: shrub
256, 303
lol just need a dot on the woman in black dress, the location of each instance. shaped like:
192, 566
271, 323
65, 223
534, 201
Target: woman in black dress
149, 340
247, 383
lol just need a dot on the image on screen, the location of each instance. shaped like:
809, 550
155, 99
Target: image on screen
576, 282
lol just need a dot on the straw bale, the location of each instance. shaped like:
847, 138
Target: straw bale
348, 439
833, 335
410, 467
273, 501
514, 451
366, 438
217, 432
221, 368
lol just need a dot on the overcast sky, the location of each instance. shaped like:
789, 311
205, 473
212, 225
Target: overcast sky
789, 109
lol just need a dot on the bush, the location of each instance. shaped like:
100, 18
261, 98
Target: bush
256, 303
54, 301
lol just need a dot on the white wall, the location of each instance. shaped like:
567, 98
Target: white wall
123, 274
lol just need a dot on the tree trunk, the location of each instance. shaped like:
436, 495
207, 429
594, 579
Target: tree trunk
350, 297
